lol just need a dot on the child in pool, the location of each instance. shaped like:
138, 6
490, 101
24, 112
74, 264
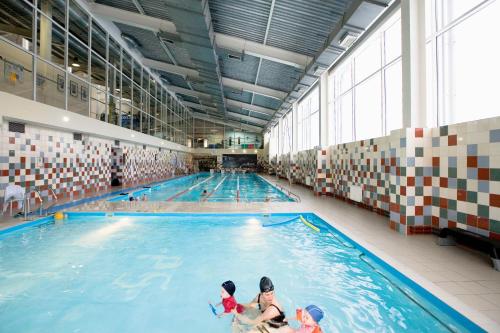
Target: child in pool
228, 301
309, 321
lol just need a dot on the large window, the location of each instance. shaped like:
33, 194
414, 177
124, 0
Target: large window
365, 89
78, 66
308, 121
286, 129
462, 60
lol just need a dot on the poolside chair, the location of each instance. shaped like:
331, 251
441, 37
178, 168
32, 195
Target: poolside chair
13, 193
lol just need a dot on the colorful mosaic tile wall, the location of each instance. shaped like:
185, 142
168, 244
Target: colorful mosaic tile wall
324, 177
366, 164
422, 178
304, 167
48, 158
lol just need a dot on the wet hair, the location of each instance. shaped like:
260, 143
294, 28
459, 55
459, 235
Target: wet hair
266, 285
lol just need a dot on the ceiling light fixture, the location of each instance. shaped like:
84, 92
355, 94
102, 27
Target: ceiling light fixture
348, 39
75, 62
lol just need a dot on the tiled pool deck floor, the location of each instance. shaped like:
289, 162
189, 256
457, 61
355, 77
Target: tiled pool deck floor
461, 277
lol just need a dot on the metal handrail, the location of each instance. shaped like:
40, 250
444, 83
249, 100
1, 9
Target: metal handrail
290, 193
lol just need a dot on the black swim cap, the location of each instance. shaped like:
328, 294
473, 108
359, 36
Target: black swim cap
266, 285
229, 287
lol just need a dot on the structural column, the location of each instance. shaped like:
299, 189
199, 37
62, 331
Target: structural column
413, 63
324, 120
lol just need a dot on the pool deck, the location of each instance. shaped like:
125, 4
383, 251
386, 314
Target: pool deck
461, 277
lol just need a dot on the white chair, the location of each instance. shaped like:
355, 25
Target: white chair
13, 193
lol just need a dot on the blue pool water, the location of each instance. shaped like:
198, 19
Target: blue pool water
219, 188
155, 273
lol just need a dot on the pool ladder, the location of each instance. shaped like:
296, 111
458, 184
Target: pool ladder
27, 203
288, 192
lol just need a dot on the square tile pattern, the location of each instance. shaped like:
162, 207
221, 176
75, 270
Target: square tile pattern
422, 178
48, 158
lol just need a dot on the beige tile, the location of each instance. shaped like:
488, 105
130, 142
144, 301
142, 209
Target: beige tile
493, 298
477, 302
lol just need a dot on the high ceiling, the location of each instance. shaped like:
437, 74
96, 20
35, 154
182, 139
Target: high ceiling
239, 61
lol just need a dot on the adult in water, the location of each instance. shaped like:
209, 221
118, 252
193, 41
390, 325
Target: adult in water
271, 311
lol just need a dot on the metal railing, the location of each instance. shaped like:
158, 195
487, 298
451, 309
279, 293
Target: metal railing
26, 201
288, 192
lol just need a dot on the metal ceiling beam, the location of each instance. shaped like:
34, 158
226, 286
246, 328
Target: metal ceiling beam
256, 121
169, 68
224, 41
235, 84
133, 19
184, 91
240, 85
200, 107
250, 107
262, 51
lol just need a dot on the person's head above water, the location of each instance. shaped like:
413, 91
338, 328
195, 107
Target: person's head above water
229, 287
266, 285
315, 313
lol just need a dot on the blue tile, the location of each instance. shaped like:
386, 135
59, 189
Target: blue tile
483, 161
495, 135
435, 142
411, 161
435, 191
471, 173
452, 215
483, 186
472, 150
452, 183
419, 181
427, 210
402, 142
419, 220
427, 171
452, 162
410, 201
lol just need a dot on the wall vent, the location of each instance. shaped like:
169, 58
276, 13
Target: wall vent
16, 127
77, 136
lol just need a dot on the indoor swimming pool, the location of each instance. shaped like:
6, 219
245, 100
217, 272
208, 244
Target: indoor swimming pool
145, 272
216, 187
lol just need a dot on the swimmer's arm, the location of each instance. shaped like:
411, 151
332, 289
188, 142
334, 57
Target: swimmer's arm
252, 304
270, 313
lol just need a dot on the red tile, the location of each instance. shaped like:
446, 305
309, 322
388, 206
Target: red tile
394, 208
12, 140
472, 220
427, 181
483, 174
452, 224
443, 203
494, 235
375, 148
392, 225
419, 210
435, 221
427, 200
403, 190
452, 140
435, 161
483, 223
494, 200
461, 195
402, 219
32, 147
419, 132
5, 173
472, 161
443, 182
410, 181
